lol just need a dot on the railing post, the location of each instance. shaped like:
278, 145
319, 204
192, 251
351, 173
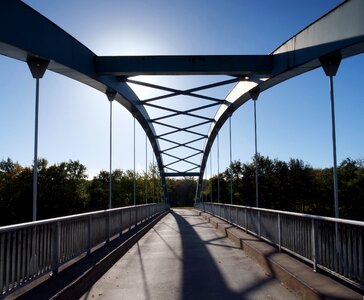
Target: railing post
360, 259
108, 229
89, 230
313, 242
279, 233
246, 220
259, 224
136, 216
129, 218
56, 247
339, 265
236, 216
121, 221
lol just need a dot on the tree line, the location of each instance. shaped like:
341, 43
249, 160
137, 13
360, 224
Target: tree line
292, 186
64, 189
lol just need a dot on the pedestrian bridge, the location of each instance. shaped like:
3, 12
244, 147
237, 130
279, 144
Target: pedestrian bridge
182, 256
150, 252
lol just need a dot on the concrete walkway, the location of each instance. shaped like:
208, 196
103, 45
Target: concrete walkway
184, 257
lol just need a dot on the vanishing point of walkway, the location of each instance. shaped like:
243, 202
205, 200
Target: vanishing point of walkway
184, 257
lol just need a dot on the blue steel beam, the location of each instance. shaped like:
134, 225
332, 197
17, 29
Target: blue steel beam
182, 174
338, 33
234, 65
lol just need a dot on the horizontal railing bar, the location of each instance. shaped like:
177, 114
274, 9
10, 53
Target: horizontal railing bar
315, 217
70, 217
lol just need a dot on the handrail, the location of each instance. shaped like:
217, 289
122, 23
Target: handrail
30, 250
75, 216
283, 212
330, 244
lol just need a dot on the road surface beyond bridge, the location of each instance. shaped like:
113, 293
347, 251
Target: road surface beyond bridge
184, 257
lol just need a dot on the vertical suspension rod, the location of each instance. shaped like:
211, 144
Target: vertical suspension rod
37, 67
134, 183
153, 178
211, 175
330, 65
35, 169
256, 155
231, 162
218, 169
110, 174
146, 169
336, 193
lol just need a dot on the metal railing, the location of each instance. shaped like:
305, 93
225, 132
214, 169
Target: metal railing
333, 245
30, 250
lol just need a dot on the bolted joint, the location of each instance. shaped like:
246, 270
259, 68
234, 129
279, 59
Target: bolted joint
110, 94
122, 78
254, 94
330, 64
37, 66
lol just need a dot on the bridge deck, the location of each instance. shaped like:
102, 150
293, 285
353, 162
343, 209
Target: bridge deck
183, 257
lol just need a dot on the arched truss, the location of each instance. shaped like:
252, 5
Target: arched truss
340, 33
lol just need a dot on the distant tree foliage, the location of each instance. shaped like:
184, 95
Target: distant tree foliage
181, 192
64, 188
293, 186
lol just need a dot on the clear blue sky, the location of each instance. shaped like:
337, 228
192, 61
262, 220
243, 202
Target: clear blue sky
293, 118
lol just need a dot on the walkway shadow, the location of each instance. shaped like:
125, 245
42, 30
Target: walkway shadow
202, 278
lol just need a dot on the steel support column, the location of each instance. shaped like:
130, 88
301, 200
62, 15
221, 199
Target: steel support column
37, 68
